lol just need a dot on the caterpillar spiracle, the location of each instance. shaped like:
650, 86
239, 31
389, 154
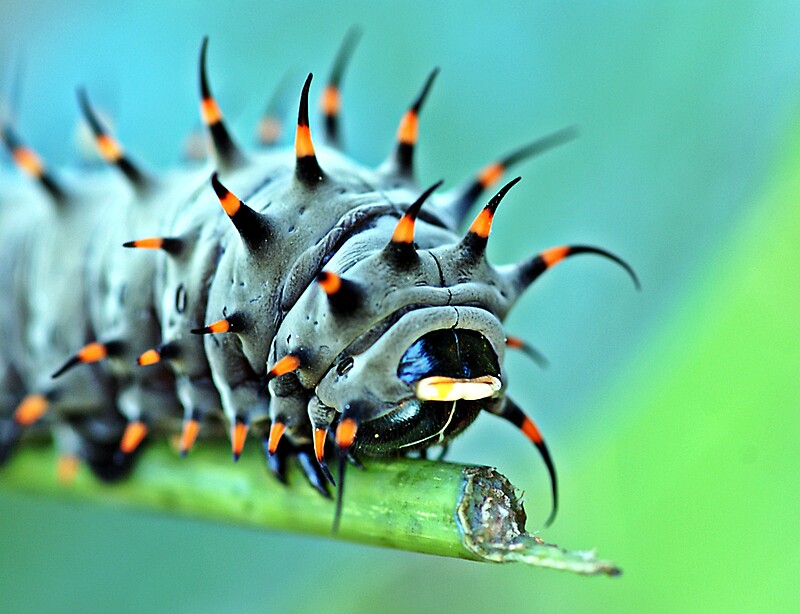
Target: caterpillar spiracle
328, 308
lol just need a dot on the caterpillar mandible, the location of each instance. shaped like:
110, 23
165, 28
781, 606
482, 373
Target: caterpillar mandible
312, 301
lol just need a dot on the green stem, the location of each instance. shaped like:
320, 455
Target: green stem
421, 506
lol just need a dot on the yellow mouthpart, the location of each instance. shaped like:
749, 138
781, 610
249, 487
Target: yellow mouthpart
440, 388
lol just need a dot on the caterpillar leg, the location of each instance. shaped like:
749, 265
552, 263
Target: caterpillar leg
68, 447
100, 439
277, 461
315, 474
10, 434
10, 395
27, 412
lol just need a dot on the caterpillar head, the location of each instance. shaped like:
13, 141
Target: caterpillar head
401, 336
403, 345
422, 381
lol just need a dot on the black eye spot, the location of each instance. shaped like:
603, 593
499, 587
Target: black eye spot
180, 299
344, 366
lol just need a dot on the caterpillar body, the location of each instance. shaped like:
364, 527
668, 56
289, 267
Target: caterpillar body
303, 297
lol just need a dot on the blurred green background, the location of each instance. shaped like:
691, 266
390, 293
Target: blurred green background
672, 413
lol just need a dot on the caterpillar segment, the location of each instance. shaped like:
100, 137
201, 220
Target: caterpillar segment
123, 310
285, 294
43, 252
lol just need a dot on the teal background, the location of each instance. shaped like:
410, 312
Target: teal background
672, 413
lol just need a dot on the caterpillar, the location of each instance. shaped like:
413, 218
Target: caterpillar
330, 309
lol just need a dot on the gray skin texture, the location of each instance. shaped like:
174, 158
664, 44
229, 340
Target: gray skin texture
46, 318
67, 282
341, 225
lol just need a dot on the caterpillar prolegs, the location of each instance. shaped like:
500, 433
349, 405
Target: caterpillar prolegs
328, 308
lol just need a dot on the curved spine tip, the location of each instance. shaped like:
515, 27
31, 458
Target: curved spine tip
287, 364
408, 132
28, 161
170, 245
189, 432
526, 348
524, 274
232, 324
403, 235
331, 96
511, 412
109, 148
254, 228
226, 151
307, 169
468, 194
276, 430
478, 233
239, 430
